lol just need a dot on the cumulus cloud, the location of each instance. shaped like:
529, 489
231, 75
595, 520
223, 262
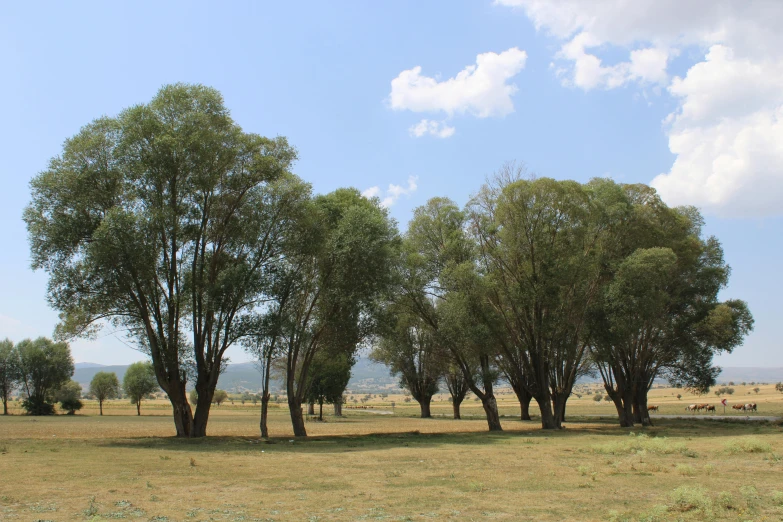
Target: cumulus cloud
482, 90
393, 192
438, 129
727, 131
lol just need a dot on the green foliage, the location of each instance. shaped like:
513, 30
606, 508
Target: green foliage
68, 396
329, 376
44, 366
105, 385
139, 382
636, 444
166, 214
219, 397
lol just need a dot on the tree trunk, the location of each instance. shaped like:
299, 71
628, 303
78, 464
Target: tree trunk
491, 409
5, 405
622, 403
138, 408
100, 407
297, 419
264, 415
424, 404
455, 406
640, 405
548, 419
338, 409
203, 404
321, 410
311, 408
558, 408
524, 397
183, 415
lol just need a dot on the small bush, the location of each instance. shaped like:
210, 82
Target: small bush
726, 501
748, 445
691, 498
777, 498
685, 469
751, 496
709, 469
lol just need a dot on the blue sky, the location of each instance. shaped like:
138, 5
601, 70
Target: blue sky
688, 99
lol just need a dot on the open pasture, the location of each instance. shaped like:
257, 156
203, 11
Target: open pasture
368, 466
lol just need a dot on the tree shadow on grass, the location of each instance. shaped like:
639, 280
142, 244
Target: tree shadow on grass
525, 432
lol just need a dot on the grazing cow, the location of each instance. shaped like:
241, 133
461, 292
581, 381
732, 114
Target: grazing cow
652, 408
692, 407
711, 408
738, 406
749, 407
700, 407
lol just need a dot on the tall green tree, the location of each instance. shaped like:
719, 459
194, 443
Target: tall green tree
660, 316
104, 386
159, 221
9, 371
540, 245
138, 382
338, 272
44, 366
410, 349
441, 285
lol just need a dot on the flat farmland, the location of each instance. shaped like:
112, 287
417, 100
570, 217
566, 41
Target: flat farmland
372, 464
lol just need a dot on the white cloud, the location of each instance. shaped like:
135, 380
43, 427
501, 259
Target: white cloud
481, 90
727, 132
438, 129
393, 193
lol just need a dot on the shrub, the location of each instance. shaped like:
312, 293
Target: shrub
71, 405
38, 406
597, 397
685, 469
691, 498
726, 501
777, 498
748, 445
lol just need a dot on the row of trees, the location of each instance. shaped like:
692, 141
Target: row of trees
42, 370
173, 224
541, 281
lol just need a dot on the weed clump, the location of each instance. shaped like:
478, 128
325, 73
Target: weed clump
634, 444
691, 498
685, 470
748, 445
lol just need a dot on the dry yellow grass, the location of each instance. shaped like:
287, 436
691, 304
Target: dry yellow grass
386, 467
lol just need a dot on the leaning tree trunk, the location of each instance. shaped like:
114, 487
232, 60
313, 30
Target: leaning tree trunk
559, 401
183, 415
491, 409
622, 401
549, 421
297, 419
205, 391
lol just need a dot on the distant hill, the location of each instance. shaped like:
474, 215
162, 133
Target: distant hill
366, 376
87, 365
371, 377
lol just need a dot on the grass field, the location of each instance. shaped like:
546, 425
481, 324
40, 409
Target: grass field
367, 466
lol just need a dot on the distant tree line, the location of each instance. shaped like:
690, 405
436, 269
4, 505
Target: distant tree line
172, 223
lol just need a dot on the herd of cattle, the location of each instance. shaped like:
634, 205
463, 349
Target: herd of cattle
751, 406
